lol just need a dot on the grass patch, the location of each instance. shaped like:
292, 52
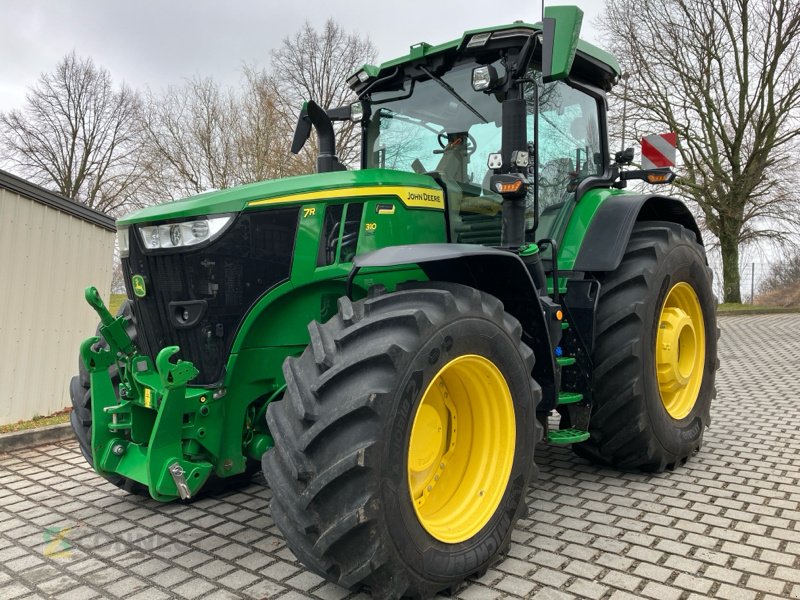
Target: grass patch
754, 309
56, 418
114, 302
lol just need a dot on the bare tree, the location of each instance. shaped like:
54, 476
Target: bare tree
264, 135
314, 65
200, 136
725, 75
189, 139
77, 133
781, 286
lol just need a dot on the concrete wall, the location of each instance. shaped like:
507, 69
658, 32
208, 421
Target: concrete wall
47, 258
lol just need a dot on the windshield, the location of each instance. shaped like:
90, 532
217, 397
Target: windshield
448, 128
428, 127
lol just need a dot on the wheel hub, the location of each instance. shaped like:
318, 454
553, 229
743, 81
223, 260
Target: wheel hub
426, 439
680, 350
461, 448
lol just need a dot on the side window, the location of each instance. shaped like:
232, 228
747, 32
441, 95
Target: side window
339, 240
329, 236
352, 227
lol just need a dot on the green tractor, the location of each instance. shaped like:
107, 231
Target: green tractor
389, 343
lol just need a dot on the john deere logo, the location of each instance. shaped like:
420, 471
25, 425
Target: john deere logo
139, 288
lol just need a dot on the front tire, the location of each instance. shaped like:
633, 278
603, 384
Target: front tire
374, 484
655, 354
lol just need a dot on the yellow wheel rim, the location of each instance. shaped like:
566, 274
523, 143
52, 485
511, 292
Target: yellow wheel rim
680, 350
461, 448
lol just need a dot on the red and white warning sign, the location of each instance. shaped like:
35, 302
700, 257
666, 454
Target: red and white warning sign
658, 151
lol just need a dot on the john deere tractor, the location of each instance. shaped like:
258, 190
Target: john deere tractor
389, 343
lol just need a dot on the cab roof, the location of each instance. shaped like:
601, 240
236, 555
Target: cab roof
592, 64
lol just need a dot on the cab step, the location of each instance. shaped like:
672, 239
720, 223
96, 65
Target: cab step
564, 437
565, 361
569, 398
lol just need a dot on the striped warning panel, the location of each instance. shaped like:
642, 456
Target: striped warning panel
658, 151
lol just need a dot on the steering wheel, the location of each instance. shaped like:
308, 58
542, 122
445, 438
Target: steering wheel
472, 145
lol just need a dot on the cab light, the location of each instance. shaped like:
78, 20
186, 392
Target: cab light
508, 187
479, 39
356, 112
484, 78
660, 177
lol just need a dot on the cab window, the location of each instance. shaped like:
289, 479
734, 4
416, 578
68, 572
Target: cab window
570, 150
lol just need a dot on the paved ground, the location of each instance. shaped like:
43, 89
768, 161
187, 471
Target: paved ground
726, 526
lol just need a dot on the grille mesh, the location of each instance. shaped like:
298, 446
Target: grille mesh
253, 255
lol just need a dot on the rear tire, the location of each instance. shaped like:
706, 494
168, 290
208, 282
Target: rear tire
631, 426
346, 431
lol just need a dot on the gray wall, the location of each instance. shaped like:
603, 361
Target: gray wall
47, 258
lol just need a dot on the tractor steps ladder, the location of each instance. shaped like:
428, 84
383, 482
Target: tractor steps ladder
564, 437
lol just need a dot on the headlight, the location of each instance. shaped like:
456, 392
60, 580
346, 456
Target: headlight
180, 235
123, 242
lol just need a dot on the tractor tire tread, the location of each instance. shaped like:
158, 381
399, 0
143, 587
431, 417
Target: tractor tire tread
327, 507
619, 427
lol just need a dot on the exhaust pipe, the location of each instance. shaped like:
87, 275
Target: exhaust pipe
313, 115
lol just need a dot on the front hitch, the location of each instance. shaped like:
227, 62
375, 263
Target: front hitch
138, 428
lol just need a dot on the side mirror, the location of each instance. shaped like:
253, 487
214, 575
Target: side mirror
624, 157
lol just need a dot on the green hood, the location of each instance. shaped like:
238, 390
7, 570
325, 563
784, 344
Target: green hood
235, 200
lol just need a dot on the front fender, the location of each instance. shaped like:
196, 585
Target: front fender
496, 272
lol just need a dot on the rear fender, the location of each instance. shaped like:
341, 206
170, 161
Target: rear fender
496, 272
607, 236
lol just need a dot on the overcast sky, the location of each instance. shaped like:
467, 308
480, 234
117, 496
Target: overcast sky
157, 43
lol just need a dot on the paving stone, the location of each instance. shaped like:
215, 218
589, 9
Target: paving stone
730, 592
193, 588
125, 587
170, 577
660, 591
83, 592
765, 584
270, 589
149, 567
587, 589
621, 580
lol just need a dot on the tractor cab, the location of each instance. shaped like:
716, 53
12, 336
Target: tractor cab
459, 111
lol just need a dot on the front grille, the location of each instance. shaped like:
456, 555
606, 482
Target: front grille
252, 256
